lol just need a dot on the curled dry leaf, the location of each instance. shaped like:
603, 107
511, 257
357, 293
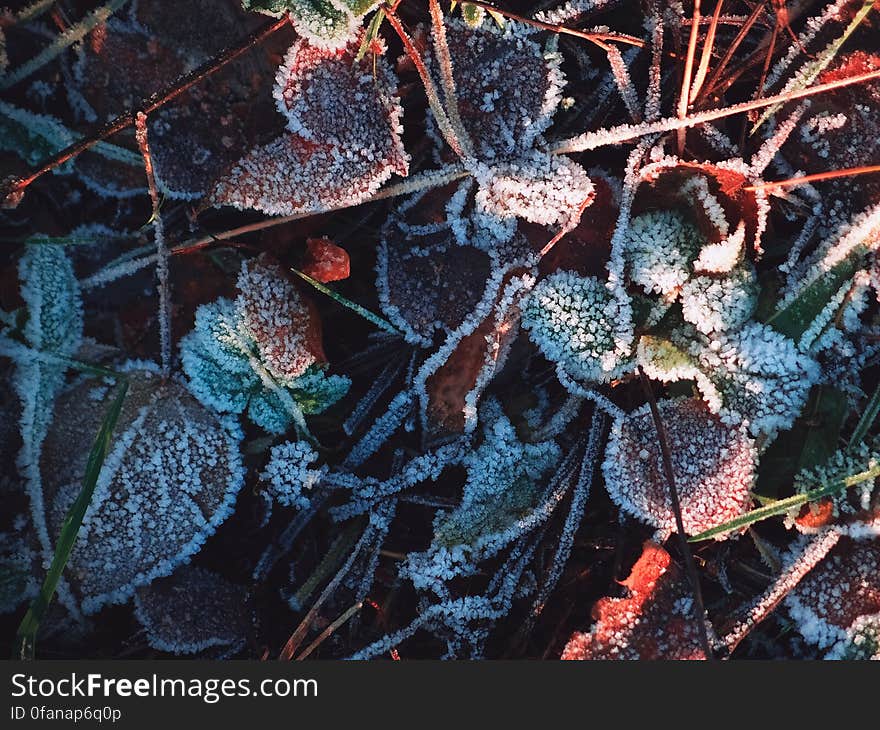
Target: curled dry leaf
653, 621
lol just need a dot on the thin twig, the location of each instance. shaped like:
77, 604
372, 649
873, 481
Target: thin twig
627, 132
443, 122
690, 567
11, 190
161, 249
731, 49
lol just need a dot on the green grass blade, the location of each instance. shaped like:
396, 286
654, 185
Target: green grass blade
782, 506
795, 318
357, 308
869, 415
27, 630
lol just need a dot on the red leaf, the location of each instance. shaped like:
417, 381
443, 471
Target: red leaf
654, 621
324, 261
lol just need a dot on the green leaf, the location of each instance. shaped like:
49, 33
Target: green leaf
796, 317
784, 505
27, 630
810, 442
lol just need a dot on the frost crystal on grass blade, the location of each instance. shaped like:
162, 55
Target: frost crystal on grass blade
713, 463
261, 353
344, 139
659, 249
193, 610
571, 318
170, 478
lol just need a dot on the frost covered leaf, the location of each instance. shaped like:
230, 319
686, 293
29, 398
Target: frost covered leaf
713, 463
572, 320
508, 87
654, 621
289, 477
261, 353
425, 279
344, 139
537, 187
169, 480
838, 132
720, 303
324, 261
660, 247
833, 600
455, 387
193, 610
756, 376
17, 567
54, 325
325, 23
502, 486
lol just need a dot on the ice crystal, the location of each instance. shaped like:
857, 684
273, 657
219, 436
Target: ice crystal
540, 188
713, 464
169, 479
720, 303
571, 319
191, 611
660, 247
653, 621
289, 477
261, 353
843, 588
862, 641
343, 140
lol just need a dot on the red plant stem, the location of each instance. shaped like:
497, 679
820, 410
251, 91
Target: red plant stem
816, 177
682, 108
690, 567
11, 190
731, 49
